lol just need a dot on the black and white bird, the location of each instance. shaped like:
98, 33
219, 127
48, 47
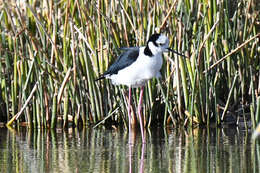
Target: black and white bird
136, 65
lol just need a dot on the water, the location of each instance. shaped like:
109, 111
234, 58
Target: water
166, 150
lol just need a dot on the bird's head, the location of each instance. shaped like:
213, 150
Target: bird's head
159, 43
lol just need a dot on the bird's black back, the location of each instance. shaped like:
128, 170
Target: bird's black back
125, 59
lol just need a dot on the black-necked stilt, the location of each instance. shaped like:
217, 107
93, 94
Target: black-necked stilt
136, 65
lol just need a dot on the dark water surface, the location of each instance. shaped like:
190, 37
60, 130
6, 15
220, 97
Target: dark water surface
98, 150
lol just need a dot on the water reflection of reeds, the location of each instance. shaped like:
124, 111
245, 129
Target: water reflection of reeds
169, 150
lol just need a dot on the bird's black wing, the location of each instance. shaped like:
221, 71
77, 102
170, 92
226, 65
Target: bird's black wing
129, 56
125, 59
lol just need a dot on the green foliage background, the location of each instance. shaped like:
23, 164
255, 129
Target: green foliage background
52, 51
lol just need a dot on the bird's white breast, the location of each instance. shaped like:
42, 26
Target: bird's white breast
140, 71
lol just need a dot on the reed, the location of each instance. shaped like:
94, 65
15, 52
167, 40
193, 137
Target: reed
63, 46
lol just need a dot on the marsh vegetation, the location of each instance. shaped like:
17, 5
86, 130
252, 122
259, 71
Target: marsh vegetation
52, 51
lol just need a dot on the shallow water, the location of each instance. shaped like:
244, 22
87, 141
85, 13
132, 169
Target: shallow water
98, 150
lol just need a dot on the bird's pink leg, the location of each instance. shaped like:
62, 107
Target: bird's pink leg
129, 109
139, 112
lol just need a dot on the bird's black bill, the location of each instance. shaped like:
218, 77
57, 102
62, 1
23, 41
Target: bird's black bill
176, 52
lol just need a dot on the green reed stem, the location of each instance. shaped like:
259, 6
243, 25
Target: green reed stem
54, 111
257, 114
229, 97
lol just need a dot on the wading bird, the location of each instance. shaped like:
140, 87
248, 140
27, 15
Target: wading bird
136, 65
